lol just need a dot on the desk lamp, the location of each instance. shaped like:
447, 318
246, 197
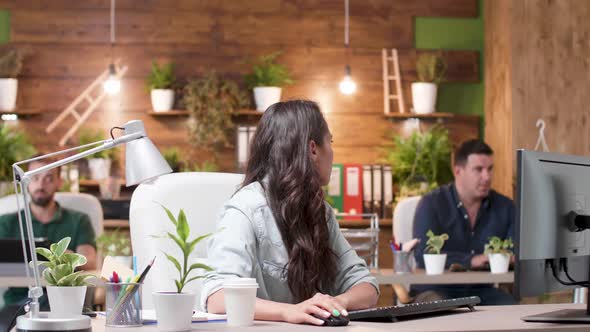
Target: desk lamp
143, 162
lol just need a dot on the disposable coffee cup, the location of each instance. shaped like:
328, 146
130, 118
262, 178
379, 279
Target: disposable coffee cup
240, 298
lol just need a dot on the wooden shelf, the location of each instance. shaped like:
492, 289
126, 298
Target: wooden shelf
94, 183
432, 116
116, 223
177, 113
23, 113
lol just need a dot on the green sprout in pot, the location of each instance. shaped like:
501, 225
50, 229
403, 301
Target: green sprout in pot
161, 77
61, 265
114, 244
435, 242
266, 72
186, 246
431, 68
498, 246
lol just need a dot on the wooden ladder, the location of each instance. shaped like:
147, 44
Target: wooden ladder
92, 104
398, 94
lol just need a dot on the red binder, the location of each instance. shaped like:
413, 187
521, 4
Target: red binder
353, 189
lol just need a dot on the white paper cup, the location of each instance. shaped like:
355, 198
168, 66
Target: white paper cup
240, 298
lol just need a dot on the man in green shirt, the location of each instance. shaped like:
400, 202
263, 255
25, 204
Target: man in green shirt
50, 221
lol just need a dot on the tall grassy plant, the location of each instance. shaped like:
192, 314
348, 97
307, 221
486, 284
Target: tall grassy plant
14, 146
431, 68
11, 64
186, 246
266, 72
161, 77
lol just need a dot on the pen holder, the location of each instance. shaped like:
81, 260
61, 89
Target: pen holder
123, 304
401, 261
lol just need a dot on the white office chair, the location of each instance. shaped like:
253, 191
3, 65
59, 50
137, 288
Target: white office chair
201, 196
79, 202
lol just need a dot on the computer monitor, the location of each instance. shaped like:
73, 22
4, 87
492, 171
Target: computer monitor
12, 261
552, 191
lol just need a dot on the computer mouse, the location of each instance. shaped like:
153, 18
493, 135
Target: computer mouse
333, 320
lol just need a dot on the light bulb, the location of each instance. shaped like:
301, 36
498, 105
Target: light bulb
347, 85
112, 85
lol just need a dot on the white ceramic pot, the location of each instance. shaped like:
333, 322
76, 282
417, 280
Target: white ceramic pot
264, 96
174, 312
499, 263
162, 99
435, 264
100, 168
424, 97
66, 301
8, 90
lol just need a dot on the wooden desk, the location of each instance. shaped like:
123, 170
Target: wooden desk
419, 277
489, 319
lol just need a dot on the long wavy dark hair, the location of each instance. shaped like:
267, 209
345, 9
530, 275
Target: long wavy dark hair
280, 151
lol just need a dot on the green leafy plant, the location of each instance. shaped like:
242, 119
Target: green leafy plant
172, 156
161, 77
498, 246
435, 242
205, 166
266, 72
211, 101
14, 146
61, 266
88, 136
114, 244
187, 246
11, 64
431, 68
421, 161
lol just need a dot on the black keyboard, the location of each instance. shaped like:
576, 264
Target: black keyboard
413, 310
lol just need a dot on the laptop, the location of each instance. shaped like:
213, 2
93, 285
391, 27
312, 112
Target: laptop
11, 256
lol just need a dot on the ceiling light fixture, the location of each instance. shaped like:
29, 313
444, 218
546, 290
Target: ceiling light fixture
112, 85
347, 85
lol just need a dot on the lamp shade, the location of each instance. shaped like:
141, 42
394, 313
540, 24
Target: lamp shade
143, 161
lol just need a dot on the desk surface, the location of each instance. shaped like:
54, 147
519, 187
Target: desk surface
490, 319
387, 276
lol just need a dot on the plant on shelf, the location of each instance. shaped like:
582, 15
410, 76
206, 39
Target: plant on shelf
10, 67
266, 79
172, 156
205, 166
14, 146
431, 70
420, 162
434, 261
211, 101
114, 244
499, 252
160, 82
100, 162
181, 303
63, 279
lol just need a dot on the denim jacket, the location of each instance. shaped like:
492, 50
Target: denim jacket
248, 244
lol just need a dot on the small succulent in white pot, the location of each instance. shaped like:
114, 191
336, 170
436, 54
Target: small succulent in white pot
499, 253
434, 261
66, 287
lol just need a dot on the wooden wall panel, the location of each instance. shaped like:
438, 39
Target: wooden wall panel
68, 44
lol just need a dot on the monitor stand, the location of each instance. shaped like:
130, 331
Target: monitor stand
563, 316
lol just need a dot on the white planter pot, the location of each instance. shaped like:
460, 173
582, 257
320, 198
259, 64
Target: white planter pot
264, 96
100, 168
424, 97
66, 301
174, 312
435, 264
499, 263
8, 90
162, 99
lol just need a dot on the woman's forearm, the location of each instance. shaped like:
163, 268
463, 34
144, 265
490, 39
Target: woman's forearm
361, 296
264, 309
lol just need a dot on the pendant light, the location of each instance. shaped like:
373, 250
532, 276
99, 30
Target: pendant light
347, 85
112, 85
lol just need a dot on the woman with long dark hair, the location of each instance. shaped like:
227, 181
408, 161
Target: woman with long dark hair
278, 228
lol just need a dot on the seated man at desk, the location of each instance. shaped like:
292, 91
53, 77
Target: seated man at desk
50, 221
470, 212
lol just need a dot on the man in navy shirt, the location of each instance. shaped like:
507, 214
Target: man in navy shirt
470, 212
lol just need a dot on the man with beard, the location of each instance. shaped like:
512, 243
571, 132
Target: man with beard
50, 221
470, 212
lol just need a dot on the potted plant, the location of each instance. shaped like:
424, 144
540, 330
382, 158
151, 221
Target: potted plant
434, 261
499, 252
14, 146
100, 162
266, 79
174, 310
160, 82
420, 162
172, 156
211, 101
66, 288
431, 70
116, 245
10, 66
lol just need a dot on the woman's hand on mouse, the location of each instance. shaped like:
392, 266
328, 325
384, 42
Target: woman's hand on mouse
321, 305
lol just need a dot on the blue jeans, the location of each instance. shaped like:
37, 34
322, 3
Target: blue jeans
488, 295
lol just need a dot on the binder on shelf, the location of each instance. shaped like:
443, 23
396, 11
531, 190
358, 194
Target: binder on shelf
242, 147
367, 189
353, 190
251, 131
377, 189
387, 192
335, 187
